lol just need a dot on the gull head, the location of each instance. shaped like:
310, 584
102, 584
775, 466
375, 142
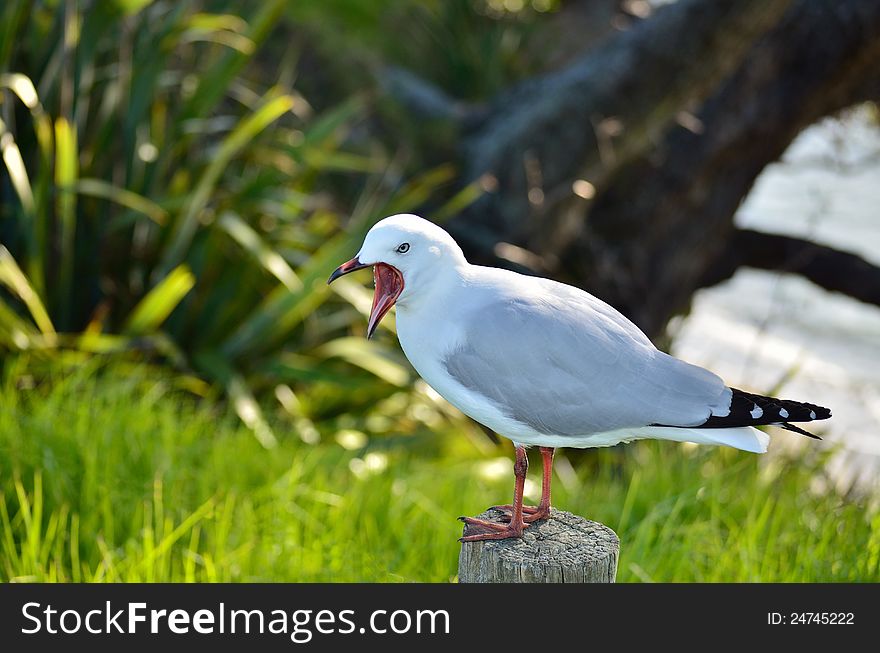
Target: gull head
408, 255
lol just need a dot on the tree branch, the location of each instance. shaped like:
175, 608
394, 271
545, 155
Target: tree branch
829, 268
423, 100
602, 110
654, 230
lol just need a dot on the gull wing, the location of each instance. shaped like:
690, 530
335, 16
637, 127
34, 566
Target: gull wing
568, 364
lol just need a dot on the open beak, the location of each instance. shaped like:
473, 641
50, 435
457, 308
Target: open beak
345, 268
389, 285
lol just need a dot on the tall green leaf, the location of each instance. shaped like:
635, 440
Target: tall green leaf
13, 278
34, 197
366, 356
66, 168
123, 197
160, 301
251, 242
18, 175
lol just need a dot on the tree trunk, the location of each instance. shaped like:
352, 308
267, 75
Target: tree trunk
563, 549
667, 180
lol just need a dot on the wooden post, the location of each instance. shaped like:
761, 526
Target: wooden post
563, 549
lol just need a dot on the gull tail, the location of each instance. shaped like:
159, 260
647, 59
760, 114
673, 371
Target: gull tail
745, 438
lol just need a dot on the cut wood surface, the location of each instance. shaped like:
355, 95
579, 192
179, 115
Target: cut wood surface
564, 549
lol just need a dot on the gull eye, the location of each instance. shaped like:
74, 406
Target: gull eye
403, 248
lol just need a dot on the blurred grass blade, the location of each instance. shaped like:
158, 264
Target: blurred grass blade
298, 368
356, 295
360, 352
243, 401
98, 343
248, 410
65, 176
214, 83
341, 161
251, 242
224, 29
130, 7
329, 123
36, 205
17, 171
160, 301
243, 134
21, 184
13, 15
459, 202
104, 190
23, 87
164, 545
419, 190
13, 278
215, 22
15, 332
231, 40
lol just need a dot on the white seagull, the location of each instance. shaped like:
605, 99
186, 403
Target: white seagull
546, 364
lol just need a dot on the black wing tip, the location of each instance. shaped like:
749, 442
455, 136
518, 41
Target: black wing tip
748, 409
822, 412
788, 409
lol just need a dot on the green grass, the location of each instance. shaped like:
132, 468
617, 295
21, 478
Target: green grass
114, 473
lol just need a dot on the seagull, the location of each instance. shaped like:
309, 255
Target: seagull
546, 364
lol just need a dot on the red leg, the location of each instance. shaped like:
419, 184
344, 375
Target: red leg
542, 510
487, 530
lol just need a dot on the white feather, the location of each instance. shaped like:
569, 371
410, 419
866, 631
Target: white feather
745, 438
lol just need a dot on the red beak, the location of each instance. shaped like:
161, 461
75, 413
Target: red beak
345, 268
389, 285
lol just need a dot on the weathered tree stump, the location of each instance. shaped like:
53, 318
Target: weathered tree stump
563, 549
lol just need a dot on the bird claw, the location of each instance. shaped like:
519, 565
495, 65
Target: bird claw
507, 509
508, 533
489, 530
530, 513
